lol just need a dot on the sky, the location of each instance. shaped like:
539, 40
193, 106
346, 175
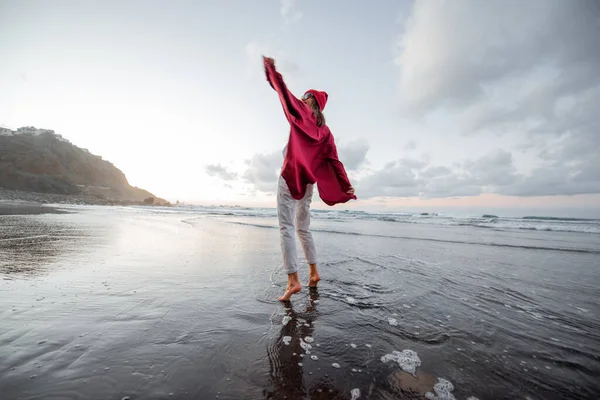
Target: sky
434, 105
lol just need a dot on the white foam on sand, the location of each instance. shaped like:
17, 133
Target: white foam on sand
314, 357
308, 339
407, 359
307, 347
351, 300
352, 345
355, 393
393, 321
443, 391
335, 365
286, 319
286, 340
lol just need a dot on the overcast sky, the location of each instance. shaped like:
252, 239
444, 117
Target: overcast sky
433, 104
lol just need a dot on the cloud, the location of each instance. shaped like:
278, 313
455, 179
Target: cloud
396, 179
263, 170
494, 169
410, 145
528, 69
219, 171
353, 154
497, 172
456, 52
414, 178
494, 172
289, 11
556, 179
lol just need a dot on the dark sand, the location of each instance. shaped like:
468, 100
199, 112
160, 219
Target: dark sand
27, 208
109, 302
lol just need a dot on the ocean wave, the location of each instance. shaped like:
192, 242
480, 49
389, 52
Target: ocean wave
540, 228
494, 244
531, 223
562, 219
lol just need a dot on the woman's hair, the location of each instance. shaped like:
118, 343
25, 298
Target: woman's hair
318, 113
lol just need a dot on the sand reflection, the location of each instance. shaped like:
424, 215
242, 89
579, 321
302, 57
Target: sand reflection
286, 363
32, 246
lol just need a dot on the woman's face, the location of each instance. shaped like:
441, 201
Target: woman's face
308, 99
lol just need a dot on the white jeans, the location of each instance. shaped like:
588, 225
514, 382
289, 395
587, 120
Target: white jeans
294, 215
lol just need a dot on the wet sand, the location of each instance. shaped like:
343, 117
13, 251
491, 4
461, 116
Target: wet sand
114, 302
27, 208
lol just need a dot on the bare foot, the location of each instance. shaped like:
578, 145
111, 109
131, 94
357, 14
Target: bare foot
313, 280
291, 289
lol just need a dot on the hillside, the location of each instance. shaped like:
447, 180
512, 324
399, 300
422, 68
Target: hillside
39, 160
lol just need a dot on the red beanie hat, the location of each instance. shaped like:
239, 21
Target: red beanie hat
320, 97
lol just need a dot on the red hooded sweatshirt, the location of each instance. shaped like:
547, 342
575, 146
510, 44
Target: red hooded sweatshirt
311, 155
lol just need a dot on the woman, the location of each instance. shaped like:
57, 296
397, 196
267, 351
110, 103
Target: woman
310, 157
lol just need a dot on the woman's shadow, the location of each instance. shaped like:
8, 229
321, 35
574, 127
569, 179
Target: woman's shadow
286, 360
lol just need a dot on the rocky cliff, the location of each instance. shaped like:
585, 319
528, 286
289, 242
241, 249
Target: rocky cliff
39, 160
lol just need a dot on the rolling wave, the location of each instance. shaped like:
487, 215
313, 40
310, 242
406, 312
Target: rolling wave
526, 247
533, 223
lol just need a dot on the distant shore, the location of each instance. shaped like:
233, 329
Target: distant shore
17, 202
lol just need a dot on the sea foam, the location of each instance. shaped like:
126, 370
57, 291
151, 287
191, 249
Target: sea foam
407, 359
307, 347
443, 389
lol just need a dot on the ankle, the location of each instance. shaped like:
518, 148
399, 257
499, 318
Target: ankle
293, 278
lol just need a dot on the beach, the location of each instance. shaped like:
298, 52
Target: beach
26, 208
181, 303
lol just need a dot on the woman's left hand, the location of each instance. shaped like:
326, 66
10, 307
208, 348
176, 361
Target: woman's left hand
350, 191
269, 60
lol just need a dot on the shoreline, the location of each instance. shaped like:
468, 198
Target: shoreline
18, 202
27, 208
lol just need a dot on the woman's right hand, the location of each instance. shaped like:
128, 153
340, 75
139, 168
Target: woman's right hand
269, 60
350, 191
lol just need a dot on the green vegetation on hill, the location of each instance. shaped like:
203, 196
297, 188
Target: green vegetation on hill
46, 163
